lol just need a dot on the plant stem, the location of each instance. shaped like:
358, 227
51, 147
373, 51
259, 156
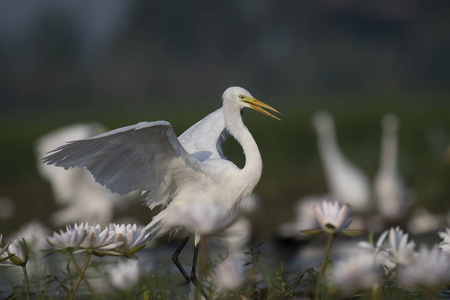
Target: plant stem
77, 267
324, 264
27, 282
376, 293
81, 274
430, 293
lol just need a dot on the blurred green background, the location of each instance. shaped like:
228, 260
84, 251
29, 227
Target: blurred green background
121, 62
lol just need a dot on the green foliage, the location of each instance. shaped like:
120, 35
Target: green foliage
279, 284
159, 284
281, 287
253, 256
41, 282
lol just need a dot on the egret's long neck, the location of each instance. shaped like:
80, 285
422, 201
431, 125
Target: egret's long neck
253, 162
328, 147
389, 152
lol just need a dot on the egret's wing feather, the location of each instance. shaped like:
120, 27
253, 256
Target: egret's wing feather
204, 139
145, 156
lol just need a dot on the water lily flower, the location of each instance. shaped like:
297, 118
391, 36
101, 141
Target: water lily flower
68, 241
375, 249
228, 274
380, 255
15, 253
429, 268
3, 254
132, 237
333, 217
125, 274
19, 249
34, 233
101, 242
401, 250
18, 255
356, 272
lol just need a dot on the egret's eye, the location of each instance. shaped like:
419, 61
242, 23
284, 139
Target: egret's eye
241, 97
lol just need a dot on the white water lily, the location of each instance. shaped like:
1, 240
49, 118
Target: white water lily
356, 272
34, 233
380, 255
333, 217
3, 254
101, 241
68, 241
18, 253
401, 250
430, 267
132, 237
228, 274
375, 249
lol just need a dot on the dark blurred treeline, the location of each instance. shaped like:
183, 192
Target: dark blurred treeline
88, 53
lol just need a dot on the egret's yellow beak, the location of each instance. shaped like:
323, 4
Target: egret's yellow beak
258, 106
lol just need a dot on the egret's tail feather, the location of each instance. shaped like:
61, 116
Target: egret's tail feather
155, 227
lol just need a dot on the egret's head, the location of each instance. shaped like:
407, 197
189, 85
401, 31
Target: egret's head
242, 98
390, 123
323, 122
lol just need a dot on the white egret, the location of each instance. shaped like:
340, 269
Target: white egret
422, 221
346, 181
392, 196
304, 218
175, 172
84, 200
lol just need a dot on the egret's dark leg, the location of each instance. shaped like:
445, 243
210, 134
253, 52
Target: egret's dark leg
175, 258
194, 265
193, 277
193, 272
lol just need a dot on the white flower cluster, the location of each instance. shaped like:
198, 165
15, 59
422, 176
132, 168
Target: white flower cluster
117, 240
395, 254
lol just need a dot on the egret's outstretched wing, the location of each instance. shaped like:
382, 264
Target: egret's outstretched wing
145, 156
204, 139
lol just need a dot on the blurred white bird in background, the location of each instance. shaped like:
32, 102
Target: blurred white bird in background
304, 218
82, 199
422, 221
345, 181
7, 208
176, 173
392, 197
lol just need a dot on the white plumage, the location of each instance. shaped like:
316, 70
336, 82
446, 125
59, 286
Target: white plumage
174, 173
346, 182
391, 194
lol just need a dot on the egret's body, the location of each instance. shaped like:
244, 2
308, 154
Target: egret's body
392, 196
346, 182
175, 173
